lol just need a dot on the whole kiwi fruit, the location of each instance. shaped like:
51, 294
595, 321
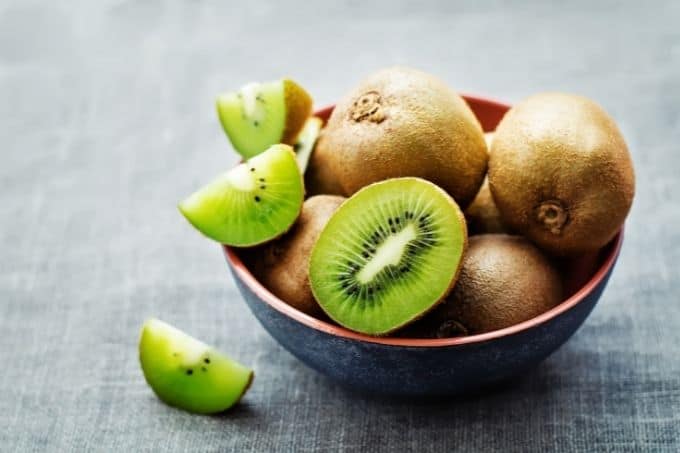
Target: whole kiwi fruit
282, 265
403, 122
319, 175
560, 173
504, 280
482, 215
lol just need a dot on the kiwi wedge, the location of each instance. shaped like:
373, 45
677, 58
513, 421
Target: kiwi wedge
262, 114
560, 173
304, 144
504, 280
388, 255
187, 373
252, 203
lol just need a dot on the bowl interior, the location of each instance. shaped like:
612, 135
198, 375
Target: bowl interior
580, 275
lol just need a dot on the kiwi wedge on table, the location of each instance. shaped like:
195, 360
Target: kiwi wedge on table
252, 203
187, 373
388, 255
262, 114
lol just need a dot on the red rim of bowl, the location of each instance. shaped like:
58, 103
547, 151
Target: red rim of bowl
279, 305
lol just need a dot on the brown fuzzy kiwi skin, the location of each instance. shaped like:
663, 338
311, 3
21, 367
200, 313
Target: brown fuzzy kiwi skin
319, 177
403, 122
282, 265
482, 215
561, 174
504, 280
298, 109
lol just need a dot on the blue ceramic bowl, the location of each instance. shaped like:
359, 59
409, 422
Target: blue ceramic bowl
411, 366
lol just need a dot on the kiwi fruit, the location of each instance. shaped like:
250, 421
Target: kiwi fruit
282, 265
403, 122
504, 280
388, 255
252, 203
560, 173
188, 374
263, 114
482, 215
304, 143
319, 175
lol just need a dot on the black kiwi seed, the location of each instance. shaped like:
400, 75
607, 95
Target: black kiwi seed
257, 199
368, 293
261, 179
263, 187
252, 168
206, 360
190, 372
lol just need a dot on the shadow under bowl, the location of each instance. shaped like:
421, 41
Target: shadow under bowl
419, 367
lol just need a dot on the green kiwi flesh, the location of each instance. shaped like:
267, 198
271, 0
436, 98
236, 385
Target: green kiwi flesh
252, 203
388, 255
304, 144
262, 114
188, 374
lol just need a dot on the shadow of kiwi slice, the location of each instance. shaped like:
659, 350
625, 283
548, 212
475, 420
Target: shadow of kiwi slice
252, 203
388, 255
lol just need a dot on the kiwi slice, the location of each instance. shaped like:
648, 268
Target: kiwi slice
262, 114
187, 373
388, 255
304, 144
254, 202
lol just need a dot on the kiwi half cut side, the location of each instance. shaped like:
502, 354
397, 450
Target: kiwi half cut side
262, 114
187, 373
388, 255
252, 203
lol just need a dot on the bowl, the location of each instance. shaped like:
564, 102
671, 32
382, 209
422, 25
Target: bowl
419, 367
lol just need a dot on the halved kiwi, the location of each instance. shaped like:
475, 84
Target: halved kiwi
304, 144
388, 255
187, 373
253, 203
262, 114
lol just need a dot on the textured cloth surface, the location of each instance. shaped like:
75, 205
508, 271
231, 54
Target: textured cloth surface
107, 120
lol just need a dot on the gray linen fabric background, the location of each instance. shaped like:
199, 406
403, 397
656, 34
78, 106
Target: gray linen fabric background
107, 120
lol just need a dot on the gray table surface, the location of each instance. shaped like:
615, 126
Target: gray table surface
107, 120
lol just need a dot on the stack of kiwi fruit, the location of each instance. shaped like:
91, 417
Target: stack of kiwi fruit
395, 182
399, 215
